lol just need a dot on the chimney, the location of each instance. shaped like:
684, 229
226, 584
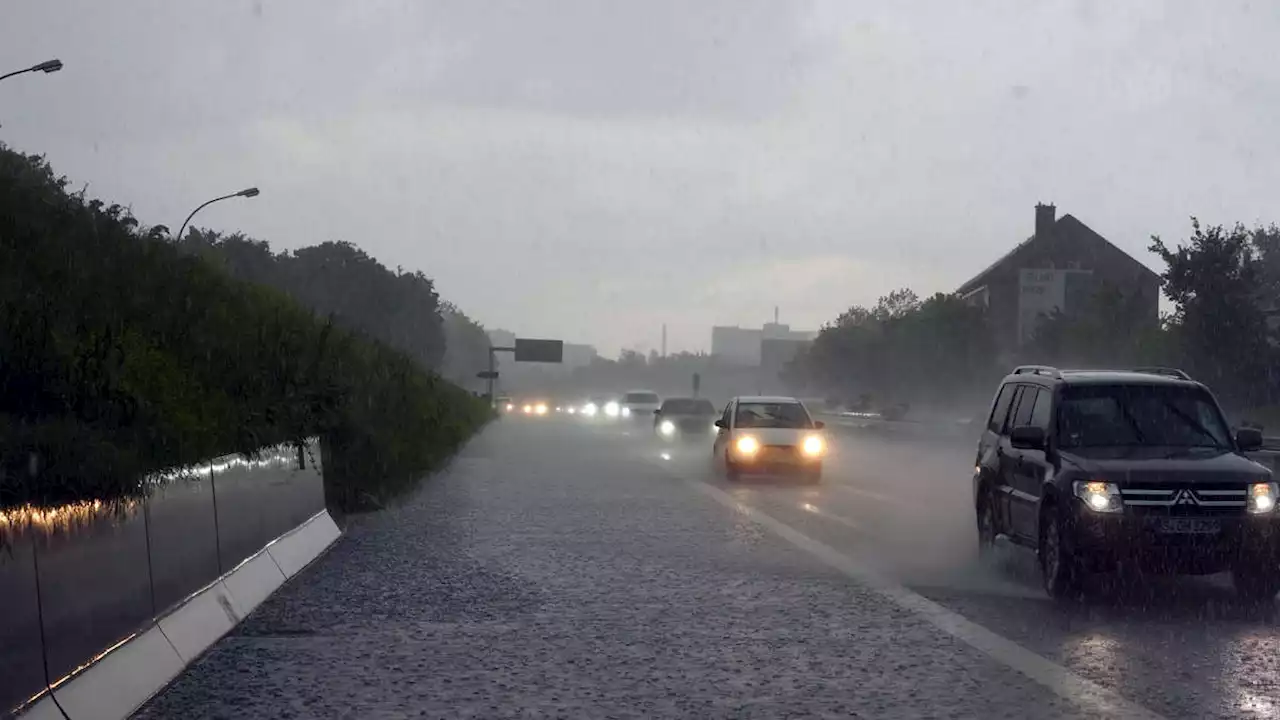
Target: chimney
1045, 215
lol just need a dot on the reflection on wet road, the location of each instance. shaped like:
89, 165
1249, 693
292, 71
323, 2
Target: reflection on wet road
1180, 646
562, 568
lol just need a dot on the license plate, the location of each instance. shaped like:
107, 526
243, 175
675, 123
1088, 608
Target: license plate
1188, 526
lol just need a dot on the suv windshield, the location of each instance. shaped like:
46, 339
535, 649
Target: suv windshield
687, 406
640, 397
772, 415
1133, 415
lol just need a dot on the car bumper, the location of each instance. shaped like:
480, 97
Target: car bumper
777, 460
1107, 540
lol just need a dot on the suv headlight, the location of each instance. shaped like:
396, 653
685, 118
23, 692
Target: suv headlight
1262, 498
667, 427
1101, 497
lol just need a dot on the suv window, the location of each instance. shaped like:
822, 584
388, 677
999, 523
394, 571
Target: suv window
1140, 415
1043, 410
1000, 410
1026, 402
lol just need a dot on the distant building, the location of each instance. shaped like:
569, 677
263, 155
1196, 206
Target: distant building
743, 346
1059, 268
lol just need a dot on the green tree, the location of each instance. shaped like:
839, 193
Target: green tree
1215, 280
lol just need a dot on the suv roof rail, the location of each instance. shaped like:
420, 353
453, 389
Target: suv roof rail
1038, 370
1166, 371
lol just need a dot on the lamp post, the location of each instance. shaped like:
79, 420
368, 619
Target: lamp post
48, 66
246, 193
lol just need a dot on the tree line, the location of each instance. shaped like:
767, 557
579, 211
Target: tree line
122, 352
1223, 284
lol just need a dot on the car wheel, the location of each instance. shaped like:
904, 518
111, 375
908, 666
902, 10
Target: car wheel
986, 516
1256, 582
1059, 566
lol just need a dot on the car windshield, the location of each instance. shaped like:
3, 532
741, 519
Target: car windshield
687, 406
1138, 415
772, 415
641, 398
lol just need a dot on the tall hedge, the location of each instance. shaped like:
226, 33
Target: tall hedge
119, 355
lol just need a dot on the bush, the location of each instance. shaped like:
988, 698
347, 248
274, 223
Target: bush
121, 355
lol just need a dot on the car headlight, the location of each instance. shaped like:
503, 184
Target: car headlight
510, 407
747, 445
626, 412
813, 446
611, 409
666, 427
541, 409
1262, 498
528, 409
573, 411
1100, 497
589, 409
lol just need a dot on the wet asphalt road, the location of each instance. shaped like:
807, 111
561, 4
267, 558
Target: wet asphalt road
566, 570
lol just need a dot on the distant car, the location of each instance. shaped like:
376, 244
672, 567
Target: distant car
685, 418
599, 406
639, 404
1098, 469
536, 407
769, 434
504, 403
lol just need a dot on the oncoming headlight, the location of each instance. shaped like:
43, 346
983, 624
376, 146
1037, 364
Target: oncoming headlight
626, 412
1100, 497
611, 409
589, 409
666, 427
1262, 498
541, 409
813, 446
747, 445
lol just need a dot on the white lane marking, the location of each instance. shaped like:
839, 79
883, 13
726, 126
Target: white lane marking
879, 497
815, 510
1095, 698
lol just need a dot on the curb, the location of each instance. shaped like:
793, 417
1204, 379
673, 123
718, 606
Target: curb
113, 685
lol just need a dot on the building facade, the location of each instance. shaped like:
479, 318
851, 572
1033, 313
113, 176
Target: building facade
748, 346
1061, 267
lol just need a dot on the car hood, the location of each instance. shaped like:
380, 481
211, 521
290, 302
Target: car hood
776, 436
1143, 464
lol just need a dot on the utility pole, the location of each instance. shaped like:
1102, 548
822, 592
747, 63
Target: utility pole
664, 339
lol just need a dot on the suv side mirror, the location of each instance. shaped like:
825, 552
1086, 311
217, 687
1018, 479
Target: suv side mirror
720, 423
818, 424
1248, 439
1027, 437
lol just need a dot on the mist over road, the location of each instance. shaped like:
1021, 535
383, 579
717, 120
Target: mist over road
566, 569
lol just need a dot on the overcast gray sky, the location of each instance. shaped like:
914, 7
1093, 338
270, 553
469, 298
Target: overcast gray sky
589, 169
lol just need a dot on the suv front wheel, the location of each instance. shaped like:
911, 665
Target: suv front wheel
1059, 566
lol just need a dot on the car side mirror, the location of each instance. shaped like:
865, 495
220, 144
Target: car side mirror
818, 424
657, 412
720, 423
1027, 437
1248, 439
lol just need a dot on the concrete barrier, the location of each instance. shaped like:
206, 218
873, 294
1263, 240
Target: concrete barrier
114, 685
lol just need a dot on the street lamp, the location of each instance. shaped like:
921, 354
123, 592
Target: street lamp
48, 66
246, 193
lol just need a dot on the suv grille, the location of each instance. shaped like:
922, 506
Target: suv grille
1171, 499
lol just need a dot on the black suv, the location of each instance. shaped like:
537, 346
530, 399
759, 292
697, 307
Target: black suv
1098, 469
